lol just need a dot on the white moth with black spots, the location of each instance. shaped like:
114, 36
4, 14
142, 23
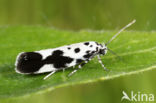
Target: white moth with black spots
55, 59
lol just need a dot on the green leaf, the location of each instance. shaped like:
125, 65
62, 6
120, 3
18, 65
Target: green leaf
137, 50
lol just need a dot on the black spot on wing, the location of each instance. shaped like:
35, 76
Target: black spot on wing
101, 45
29, 62
69, 48
58, 60
88, 51
97, 43
57, 53
93, 52
87, 56
77, 50
86, 43
97, 49
79, 61
91, 45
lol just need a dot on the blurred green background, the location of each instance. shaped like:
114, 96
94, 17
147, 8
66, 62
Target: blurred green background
79, 14
86, 14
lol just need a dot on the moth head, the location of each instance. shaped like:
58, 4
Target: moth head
103, 50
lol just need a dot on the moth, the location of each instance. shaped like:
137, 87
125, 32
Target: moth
61, 58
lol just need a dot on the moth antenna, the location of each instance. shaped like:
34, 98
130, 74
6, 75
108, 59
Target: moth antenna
114, 54
128, 25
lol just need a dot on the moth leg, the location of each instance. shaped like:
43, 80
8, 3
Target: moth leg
49, 75
63, 69
79, 67
100, 61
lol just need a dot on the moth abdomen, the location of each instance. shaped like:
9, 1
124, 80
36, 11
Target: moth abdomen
28, 62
